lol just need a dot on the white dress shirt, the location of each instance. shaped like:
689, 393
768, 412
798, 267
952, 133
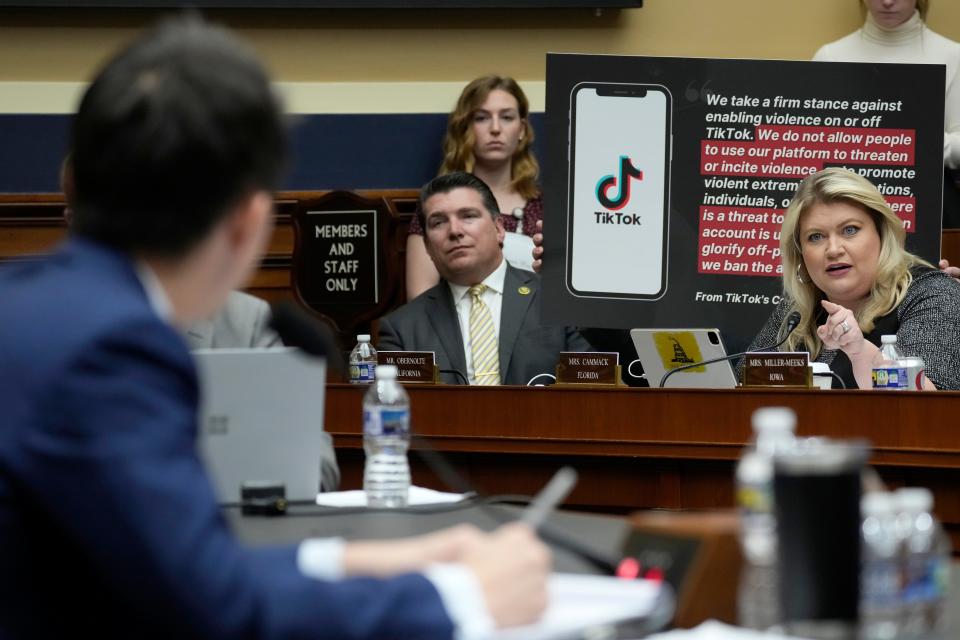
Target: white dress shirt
492, 297
322, 558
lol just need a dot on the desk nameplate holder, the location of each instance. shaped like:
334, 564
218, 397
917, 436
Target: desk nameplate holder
412, 366
777, 369
588, 369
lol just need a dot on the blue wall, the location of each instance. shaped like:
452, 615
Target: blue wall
380, 151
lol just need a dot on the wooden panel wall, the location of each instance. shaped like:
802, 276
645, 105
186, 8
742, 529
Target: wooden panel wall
31, 224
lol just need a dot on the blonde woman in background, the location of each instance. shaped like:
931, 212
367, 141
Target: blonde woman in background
846, 271
488, 135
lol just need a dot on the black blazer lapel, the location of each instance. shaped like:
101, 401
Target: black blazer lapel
443, 316
513, 312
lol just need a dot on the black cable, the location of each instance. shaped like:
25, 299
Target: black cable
843, 385
266, 506
457, 482
457, 372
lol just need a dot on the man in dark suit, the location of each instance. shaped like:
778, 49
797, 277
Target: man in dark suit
108, 523
483, 318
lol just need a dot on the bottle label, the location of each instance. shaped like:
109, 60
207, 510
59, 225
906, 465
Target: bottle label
754, 498
386, 422
918, 581
890, 378
880, 584
362, 372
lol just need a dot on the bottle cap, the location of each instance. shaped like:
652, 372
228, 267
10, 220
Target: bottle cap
363, 337
878, 503
915, 499
386, 372
888, 339
780, 418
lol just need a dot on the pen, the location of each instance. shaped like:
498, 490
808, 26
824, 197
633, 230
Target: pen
544, 503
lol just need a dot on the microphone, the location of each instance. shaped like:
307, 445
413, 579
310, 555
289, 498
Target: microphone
792, 321
297, 328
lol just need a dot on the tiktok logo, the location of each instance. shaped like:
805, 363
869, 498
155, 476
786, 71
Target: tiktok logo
627, 171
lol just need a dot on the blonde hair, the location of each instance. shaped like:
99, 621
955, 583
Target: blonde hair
459, 141
922, 6
893, 266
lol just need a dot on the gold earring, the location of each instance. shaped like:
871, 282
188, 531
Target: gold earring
800, 278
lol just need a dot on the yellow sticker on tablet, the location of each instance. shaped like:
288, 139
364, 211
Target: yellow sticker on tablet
677, 349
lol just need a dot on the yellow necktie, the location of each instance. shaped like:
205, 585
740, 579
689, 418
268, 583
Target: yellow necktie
483, 339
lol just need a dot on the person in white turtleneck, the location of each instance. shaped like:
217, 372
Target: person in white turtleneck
894, 31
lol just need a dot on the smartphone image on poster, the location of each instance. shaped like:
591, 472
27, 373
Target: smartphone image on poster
619, 186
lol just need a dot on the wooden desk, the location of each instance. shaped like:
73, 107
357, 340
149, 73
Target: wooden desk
655, 448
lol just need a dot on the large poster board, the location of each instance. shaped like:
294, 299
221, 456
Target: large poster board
666, 179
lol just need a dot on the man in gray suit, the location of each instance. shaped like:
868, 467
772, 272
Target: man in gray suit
483, 319
242, 323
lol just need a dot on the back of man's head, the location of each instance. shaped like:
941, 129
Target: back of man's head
457, 180
174, 130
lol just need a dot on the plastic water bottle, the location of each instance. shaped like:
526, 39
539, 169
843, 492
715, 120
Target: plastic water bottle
889, 368
363, 361
757, 597
941, 568
881, 602
926, 564
386, 438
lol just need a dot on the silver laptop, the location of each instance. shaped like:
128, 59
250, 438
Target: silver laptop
661, 350
261, 419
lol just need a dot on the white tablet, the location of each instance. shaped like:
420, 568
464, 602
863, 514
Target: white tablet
661, 350
261, 419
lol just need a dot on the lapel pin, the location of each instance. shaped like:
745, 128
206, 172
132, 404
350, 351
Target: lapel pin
524, 291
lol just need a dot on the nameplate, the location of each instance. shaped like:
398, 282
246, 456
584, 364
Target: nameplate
776, 369
412, 366
588, 368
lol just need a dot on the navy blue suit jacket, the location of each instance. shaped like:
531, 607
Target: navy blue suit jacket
108, 523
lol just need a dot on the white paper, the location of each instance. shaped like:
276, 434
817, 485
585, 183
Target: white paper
581, 601
416, 496
713, 630
518, 250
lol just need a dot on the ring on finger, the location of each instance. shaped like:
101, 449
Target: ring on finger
845, 326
